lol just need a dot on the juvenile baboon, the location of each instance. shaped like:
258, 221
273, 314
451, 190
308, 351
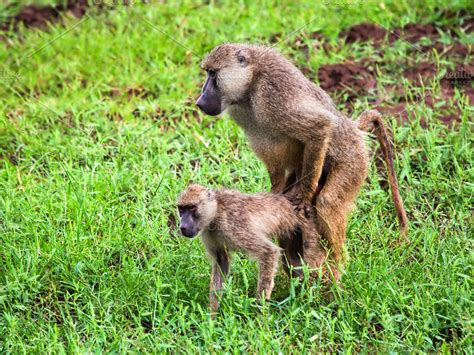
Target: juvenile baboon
229, 220
308, 146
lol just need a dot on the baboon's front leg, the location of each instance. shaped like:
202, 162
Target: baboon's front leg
268, 265
220, 269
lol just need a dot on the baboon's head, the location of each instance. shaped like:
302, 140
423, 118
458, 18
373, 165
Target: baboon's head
230, 73
197, 208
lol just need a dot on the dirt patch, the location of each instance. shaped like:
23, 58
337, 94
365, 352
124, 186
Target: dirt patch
447, 113
365, 32
461, 79
370, 32
445, 104
456, 49
468, 25
461, 13
420, 73
413, 32
39, 17
359, 79
354, 78
464, 17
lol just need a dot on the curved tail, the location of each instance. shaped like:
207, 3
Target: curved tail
371, 120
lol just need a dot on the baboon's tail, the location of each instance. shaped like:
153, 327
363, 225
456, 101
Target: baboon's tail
371, 121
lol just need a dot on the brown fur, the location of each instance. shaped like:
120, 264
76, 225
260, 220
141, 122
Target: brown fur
307, 145
229, 220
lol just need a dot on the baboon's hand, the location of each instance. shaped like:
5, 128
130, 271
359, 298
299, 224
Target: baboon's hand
300, 204
305, 208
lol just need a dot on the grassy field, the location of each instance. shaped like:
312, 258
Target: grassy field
99, 134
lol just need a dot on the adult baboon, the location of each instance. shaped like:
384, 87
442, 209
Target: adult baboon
308, 146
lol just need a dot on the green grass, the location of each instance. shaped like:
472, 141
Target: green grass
98, 136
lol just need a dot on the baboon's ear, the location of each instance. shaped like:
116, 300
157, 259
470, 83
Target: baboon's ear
243, 58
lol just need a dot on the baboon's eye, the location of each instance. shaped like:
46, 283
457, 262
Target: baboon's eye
211, 73
241, 59
187, 209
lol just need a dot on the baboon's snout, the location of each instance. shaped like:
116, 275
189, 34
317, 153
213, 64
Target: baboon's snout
209, 105
187, 230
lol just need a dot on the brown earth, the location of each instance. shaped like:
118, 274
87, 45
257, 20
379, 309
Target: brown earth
355, 78
420, 73
465, 17
445, 102
370, 32
365, 32
468, 25
456, 49
411, 32
39, 17
462, 78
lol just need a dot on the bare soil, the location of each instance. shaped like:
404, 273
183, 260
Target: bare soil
365, 32
456, 49
370, 32
411, 32
351, 79
39, 17
355, 78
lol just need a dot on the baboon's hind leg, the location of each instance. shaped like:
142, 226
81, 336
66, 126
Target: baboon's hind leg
332, 208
